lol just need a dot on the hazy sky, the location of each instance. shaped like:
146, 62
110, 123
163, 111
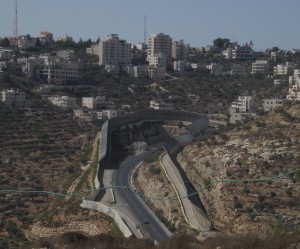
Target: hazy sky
198, 22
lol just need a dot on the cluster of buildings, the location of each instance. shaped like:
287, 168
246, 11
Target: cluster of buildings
62, 68
12, 97
115, 55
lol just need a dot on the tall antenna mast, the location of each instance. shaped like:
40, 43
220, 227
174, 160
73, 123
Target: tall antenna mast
15, 28
145, 30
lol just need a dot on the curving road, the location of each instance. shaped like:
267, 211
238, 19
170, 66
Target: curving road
132, 205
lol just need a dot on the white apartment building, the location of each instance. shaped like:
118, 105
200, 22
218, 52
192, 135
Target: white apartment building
294, 86
243, 104
271, 104
113, 51
13, 97
159, 105
260, 66
62, 101
89, 102
157, 60
57, 71
284, 69
159, 44
238, 69
179, 50
93, 50
239, 52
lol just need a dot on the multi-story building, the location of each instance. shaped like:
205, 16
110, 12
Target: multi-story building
89, 102
179, 50
139, 71
242, 109
93, 50
159, 44
13, 97
180, 66
67, 55
215, 68
238, 69
260, 66
294, 86
113, 51
157, 60
57, 71
239, 52
271, 104
284, 69
62, 101
156, 72
244, 104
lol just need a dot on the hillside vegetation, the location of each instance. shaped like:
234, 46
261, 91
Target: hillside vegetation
256, 158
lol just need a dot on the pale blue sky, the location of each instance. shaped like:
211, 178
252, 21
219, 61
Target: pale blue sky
266, 22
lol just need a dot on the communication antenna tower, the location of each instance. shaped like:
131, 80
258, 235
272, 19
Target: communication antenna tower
15, 28
145, 30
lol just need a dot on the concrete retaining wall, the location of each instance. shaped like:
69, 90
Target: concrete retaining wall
110, 212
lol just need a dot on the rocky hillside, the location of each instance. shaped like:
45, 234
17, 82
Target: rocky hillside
256, 156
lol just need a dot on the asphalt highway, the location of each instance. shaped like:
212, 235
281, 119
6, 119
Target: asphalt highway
130, 202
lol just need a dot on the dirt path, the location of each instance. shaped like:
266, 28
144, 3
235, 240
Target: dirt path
86, 167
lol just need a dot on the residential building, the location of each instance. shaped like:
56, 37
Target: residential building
141, 47
93, 50
244, 104
260, 66
68, 55
238, 52
26, 42
294, 86
280, 81
237, 116
238, 69
215, 68
62, 101
45, 37
160, 105
56, 70
114, 51
179, 50
284, 69
89, 102
271, 104
139, 71
157, 60
156, 72
13, 97
63, 38
159, 44
180, 65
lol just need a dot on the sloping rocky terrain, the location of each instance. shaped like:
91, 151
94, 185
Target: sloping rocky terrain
256, 157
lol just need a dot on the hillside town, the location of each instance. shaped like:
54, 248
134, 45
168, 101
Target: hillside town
58, 69
206, 138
